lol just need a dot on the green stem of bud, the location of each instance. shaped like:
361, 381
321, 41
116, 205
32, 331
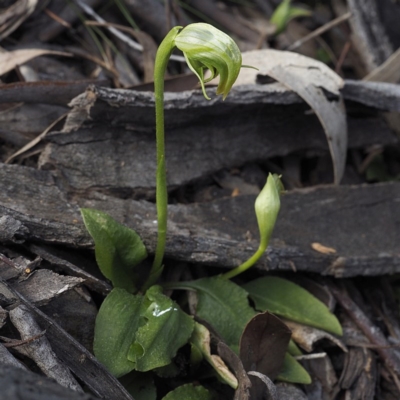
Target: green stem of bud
247, 264
267, 207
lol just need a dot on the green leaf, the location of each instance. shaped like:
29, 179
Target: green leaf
285, 13
291, 301
293, 372
118, 248
189, 392
201, 339
293, 349
140, 385
116, 325
224, 305
166, 329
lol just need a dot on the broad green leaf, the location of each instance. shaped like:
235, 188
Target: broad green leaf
293, 371
118, 248
189, 392
116, 325
224, 305
293, 349
291, 301
166, 328
140, 385
201, 339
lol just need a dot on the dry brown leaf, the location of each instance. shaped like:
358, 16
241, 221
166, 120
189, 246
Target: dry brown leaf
201, 339
310, 79
35, 141
263, 344
10, 59
13, 16
307, 336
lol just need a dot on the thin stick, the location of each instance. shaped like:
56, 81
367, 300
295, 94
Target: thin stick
319, 31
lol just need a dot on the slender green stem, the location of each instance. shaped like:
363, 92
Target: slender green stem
160, 67
246, 265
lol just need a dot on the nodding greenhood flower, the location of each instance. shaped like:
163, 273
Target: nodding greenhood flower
206, 47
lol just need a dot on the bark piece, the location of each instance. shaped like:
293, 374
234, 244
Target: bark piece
3, 316
40, 350
44, 285
287, 391
114, 151
7, 359
359, 373
224, 232
379, 95
75, 314
82, 363
47, 92
369, 32
19, 384
57, 258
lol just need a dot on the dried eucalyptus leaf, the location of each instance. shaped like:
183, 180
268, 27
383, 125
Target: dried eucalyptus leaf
306, 336
201, 339
311, 80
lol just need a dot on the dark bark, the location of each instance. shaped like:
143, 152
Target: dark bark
350, 219
17, 384
71, 353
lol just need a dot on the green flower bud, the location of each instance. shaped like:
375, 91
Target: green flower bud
267, 207
206, 47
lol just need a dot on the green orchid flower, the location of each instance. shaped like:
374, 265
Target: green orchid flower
206, 47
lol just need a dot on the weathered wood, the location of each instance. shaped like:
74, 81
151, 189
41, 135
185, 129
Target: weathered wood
114, 151
379, 95
73, 355
224, 233
18, 384
45, 92
40, 350
43, 285
58, 260
369, 32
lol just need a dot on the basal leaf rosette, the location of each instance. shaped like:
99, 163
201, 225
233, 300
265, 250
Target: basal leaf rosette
206, 47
